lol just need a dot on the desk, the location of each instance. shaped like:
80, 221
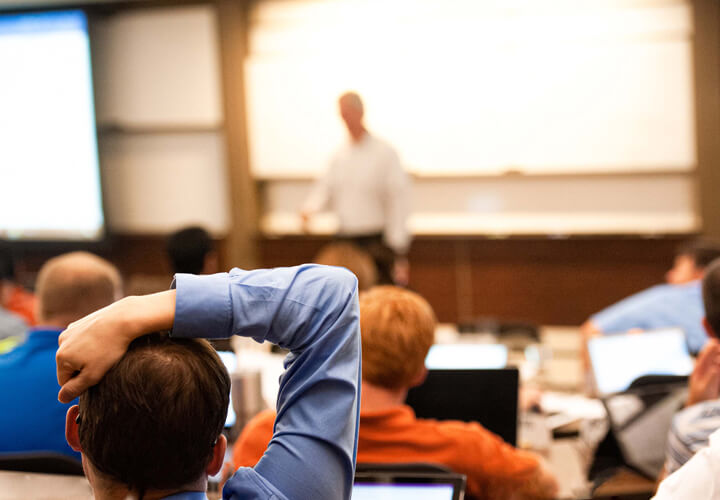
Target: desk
14, 485
559, 374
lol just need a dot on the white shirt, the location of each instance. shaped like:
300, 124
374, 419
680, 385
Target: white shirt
368, 190
698, 479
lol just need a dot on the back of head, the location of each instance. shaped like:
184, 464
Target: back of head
397, 329
152, 421
702, 251
711, 295
351, 257
75, 284
188, 248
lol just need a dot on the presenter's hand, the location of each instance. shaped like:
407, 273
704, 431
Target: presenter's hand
89, 347
401, 271
304, 222
705, 378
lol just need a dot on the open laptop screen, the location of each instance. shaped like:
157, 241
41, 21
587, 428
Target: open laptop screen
618, 360
466, 356
376, 491
486, 396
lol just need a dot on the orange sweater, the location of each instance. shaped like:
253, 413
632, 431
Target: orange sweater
493, 468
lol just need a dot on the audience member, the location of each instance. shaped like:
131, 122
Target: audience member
192, 250
152, 427
692, 426
678, 303
69, 287
13, 297
397, 331
351, 257
698, 479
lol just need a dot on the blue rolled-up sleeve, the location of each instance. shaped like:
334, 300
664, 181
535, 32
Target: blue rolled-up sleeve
312, 311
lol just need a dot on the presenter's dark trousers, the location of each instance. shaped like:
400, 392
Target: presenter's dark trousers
383, 255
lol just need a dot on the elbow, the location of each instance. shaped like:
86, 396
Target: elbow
340, 282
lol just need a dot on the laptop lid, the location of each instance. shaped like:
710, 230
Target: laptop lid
408, 486
486, 396
618, 360
466, 356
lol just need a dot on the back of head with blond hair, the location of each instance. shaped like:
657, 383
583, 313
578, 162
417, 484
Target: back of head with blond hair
397, 328
73, 285
351, 257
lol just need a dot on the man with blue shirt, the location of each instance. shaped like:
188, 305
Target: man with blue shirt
310, 310
678, 303
68, 287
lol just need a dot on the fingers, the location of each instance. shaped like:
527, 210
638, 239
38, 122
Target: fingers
74, 387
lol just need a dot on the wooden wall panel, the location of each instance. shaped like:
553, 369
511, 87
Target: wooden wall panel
546, 281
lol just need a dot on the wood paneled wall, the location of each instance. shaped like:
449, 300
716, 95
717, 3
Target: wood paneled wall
547, 281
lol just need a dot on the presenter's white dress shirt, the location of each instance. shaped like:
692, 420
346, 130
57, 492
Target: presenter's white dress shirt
368, 190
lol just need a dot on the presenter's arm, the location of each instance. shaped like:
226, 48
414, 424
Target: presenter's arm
318, 199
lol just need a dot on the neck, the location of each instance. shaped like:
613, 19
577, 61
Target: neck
357, 133
376, 398
105, 489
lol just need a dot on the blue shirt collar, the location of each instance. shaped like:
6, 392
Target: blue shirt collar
187, 495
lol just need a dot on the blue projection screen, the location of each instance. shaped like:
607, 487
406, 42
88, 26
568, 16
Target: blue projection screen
49, 170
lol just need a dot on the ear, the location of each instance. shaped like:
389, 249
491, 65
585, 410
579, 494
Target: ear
709, 329
71, 428
419, 378
218, 456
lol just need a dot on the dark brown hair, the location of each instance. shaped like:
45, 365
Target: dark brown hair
152, 421
701, 250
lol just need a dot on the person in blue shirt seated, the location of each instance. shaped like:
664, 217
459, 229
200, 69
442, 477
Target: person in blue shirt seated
150, 418
677, 303
68, 287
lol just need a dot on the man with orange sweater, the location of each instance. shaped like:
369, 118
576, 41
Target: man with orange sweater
397, 329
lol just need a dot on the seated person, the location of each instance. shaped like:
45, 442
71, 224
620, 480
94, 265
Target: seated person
14, 298
678, 303
698, 479
147, 430
68, 287
692, 426
351, 257
397, 331
192, 250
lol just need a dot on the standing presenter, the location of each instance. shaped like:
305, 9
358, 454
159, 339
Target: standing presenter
367, 188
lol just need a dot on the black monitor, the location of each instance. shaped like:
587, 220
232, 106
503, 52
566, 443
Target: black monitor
486, 396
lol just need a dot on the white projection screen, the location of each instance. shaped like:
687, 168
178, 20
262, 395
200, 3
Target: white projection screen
467, 87
49, 167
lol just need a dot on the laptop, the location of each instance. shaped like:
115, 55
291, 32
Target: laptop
408, 486
618, 360
488, 396
466, 356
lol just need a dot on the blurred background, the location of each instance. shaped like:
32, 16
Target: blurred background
560, 150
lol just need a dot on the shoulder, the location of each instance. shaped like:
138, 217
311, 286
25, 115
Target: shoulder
697, 422
696, 479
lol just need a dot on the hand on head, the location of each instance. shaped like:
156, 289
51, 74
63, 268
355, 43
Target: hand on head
88, 348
